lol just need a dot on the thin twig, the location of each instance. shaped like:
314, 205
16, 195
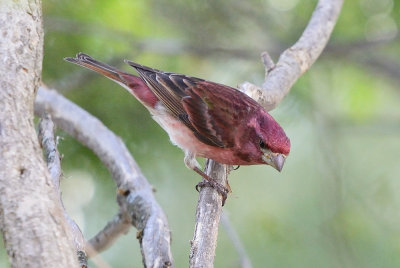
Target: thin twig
119, 225
135, 194
297, 59
49, 145
237, 243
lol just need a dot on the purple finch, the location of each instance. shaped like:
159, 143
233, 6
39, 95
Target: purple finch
203, 118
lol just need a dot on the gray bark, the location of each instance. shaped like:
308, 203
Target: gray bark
297, 59
31, 218
135, 194
208, 213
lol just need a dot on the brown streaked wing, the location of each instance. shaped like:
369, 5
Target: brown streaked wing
171, 88
170, 96
216, 110
168, 90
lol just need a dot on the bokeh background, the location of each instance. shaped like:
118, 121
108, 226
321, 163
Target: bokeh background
337, 201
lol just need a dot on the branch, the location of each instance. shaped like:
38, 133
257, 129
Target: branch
49, 145
135, 194
279, 79
119, 225
46, 138
296, 60
209, 209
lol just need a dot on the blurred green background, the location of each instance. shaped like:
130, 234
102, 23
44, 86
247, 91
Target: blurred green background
337, 201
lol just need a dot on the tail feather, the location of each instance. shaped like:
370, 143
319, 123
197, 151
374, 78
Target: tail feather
142, 67
132, 83
86, 61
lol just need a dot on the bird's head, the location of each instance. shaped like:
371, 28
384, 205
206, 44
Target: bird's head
266, 142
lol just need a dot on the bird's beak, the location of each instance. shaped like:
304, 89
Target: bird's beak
278, 161
274, 159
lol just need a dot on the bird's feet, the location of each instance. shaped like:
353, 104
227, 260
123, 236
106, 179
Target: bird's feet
210, 182
218, 187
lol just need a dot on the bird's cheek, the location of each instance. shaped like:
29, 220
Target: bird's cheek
250, 153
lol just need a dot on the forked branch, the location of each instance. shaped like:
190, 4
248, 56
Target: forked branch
297, 59
279, 79
135, 194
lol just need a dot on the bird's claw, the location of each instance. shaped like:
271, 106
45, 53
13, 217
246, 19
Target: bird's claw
218, 187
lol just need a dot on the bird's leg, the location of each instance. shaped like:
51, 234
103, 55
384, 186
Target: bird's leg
210, 182
227, 189
191, 162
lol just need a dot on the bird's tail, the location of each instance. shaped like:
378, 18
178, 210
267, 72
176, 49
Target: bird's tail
86, 61
132, 83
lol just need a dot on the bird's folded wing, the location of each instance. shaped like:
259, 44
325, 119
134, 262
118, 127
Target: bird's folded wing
212, 111
217, 111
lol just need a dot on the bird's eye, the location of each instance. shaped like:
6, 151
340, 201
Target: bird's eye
262, 145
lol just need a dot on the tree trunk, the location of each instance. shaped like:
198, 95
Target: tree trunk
31, 219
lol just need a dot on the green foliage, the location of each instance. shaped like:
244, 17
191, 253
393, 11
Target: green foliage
336, 202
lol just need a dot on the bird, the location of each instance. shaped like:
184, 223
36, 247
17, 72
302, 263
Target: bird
203, 118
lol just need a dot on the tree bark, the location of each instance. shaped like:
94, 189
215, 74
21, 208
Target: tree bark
31, 219
135, 195
297, 59
208, 214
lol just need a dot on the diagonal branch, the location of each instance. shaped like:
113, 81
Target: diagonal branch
135, 194
297, 59
236, 242
119, 225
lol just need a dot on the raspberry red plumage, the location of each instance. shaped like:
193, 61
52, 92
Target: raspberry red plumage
204, 118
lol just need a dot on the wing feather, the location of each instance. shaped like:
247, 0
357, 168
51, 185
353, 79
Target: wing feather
216, 110
212, 111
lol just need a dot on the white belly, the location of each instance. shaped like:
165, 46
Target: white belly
179, 134
183, 137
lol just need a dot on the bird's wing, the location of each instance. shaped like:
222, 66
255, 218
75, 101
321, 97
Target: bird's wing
169, 87
212, 111
217, 111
